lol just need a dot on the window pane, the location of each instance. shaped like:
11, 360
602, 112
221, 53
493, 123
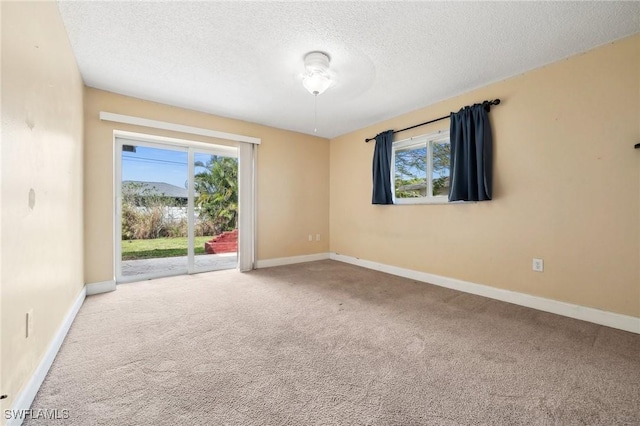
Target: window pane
440, 173
411, 172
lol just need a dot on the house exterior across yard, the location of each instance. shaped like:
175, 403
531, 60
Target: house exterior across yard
144, 190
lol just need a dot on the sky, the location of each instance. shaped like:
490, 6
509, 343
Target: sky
158, 165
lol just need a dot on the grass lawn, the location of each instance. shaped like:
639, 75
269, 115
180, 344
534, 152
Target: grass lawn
160, 247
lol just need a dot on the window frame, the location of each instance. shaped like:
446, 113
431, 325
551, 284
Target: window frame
419, 141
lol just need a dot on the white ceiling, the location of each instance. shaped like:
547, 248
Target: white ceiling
244, 60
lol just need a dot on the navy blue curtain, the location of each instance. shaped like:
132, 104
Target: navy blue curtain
382, 169
471, 154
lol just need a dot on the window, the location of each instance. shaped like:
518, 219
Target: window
420, 169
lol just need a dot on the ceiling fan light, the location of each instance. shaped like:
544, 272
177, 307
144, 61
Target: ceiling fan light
316, 83
316, 78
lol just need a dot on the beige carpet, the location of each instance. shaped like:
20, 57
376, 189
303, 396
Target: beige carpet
327, 343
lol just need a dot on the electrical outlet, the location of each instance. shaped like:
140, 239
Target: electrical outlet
317, 237
310, 237
29, 324
538, 265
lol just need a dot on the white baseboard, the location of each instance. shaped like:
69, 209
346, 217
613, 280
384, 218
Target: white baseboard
101, 287
610, 319
280, 261
25, 397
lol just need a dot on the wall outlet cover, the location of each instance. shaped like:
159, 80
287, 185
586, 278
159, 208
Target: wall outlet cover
538, 265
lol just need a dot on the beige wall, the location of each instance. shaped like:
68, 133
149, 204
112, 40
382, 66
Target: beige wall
42, 255
292, 175
566, 189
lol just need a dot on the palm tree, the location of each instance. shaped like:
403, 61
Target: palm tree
217, 189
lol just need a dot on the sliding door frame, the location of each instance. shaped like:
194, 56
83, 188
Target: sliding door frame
121, 138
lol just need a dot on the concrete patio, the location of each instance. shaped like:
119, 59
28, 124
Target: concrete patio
205, 262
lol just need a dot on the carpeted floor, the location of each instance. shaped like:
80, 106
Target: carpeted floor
326, 343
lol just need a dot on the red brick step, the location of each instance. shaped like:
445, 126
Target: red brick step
227, 242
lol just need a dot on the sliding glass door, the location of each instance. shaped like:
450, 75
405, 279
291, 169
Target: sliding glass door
215, 218
153, 210
177, 209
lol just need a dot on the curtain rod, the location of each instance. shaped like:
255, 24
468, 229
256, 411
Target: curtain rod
485, 103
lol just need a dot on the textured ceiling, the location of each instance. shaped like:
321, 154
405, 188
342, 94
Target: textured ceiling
245, 59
